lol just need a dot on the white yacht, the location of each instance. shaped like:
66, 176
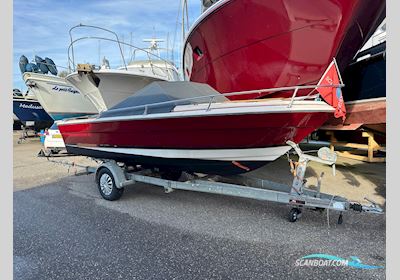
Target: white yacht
58, 97
106, 87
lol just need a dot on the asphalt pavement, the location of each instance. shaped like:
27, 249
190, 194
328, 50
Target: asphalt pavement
65, 230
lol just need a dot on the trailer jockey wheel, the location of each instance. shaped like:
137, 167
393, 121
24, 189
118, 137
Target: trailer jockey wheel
106, 184
294, 214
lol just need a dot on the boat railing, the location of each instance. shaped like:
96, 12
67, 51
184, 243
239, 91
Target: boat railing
151, 57
24, 98
210, 99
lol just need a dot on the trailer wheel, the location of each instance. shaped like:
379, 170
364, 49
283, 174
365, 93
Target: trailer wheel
294, 214
106, 185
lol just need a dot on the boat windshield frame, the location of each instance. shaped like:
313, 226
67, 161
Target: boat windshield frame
72, 66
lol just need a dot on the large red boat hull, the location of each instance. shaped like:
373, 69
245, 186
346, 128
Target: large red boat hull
105, 139
240, 45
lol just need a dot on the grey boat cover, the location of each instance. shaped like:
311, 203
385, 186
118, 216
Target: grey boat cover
157, 92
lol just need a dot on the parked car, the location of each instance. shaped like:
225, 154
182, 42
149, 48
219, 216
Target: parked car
53, 142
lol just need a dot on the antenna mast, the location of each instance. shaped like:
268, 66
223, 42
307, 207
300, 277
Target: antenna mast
99, 53
123, 46
184, 11
167, 45
183, 20
130, 47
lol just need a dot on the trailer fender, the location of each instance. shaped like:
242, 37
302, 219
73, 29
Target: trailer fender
117, 172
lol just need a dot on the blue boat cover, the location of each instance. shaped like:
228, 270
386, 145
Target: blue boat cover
41, 63
31, 67
23, 61
51, 65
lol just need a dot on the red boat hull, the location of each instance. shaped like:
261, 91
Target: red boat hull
255, 44
212, 132
111, 139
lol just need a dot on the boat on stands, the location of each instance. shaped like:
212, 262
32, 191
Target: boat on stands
365, 91
58, 97
16, 122
29, 111
106, 86
188, 126
242, 45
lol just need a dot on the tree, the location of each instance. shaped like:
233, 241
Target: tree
63, 74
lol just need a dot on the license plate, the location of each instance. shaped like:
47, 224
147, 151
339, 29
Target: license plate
57, 136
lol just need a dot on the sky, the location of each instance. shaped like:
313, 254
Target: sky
41, 27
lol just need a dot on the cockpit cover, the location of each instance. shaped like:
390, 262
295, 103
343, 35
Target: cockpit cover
157, 92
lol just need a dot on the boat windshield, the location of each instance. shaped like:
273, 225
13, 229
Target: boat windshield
162, 97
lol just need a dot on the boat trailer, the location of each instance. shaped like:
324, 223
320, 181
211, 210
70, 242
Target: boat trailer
112, 177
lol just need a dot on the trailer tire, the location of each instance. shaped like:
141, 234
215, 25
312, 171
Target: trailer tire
294, 215
106, 185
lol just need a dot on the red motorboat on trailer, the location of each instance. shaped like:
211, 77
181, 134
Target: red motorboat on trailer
186, 126
241, 45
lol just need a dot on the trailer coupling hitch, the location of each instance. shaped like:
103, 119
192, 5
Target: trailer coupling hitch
373, 208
